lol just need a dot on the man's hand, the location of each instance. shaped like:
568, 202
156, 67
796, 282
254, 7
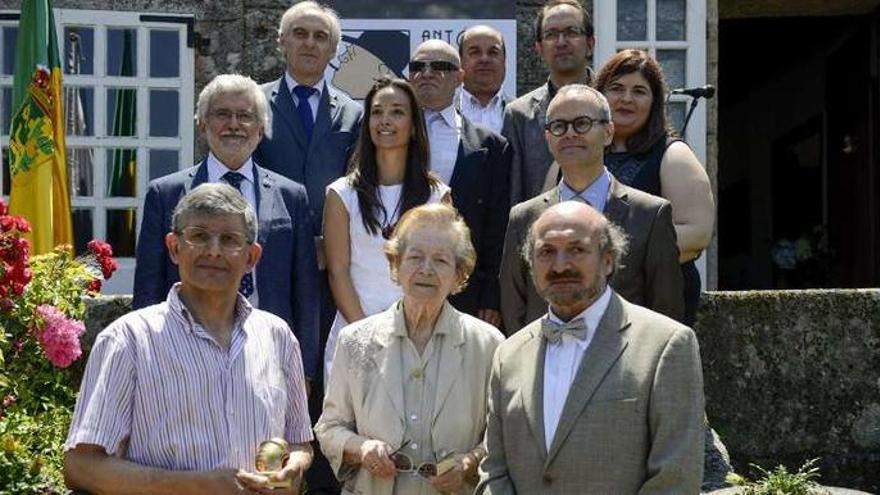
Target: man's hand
490, 316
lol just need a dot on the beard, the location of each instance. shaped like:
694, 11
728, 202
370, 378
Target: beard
572, 293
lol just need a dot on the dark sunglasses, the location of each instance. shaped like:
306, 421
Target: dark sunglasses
404, 463
417, 66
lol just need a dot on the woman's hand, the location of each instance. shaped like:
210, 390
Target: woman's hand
453, 479
375, 459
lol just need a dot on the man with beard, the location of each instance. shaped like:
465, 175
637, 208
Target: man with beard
577, 130
598, 395
564, 39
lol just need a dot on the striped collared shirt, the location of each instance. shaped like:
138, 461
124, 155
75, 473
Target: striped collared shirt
158, 379
444, 135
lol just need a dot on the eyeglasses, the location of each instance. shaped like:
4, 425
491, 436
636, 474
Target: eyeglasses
418, 66
567, 33
225, 115
404, 463
581, 125
229, 242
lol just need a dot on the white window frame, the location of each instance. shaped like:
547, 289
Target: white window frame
695, 44
101, 20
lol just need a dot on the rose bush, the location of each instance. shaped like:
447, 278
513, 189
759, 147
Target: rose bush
41, 321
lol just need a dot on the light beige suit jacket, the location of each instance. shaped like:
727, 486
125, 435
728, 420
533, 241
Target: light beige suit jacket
649, 276
632, 423
365, 393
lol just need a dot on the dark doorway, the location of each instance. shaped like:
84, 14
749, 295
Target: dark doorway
798, 162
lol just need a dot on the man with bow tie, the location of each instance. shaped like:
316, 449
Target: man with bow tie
598, 395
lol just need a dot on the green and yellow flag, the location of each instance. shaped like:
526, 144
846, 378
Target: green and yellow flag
36, 137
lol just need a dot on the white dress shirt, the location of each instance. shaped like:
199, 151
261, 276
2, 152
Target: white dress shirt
491, 115
562, 361
216, 171
313, 100
444, 135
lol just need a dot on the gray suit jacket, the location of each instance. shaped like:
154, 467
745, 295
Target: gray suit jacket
650, 275
316, 163
632, 422
524, 129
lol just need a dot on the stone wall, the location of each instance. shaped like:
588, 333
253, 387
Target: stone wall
788, 376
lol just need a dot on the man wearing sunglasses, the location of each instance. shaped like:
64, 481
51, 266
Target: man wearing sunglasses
564, 39
177, 397
577, 129
475, 162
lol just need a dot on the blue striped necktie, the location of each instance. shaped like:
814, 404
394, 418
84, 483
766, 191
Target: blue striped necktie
304, 108
246, 287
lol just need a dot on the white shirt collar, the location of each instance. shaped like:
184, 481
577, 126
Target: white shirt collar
449, 115
473, 101
291, 83
216, 169
592, 315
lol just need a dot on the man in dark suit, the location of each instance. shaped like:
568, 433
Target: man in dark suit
564, 39
474, 161
314, 126
578, 129
314, 129
232, 113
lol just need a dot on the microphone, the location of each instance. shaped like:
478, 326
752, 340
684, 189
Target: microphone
707, 91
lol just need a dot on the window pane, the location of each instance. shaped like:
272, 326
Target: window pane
121, 52
671, 18
121, 172
164, 113
120, 232
80, 164
675, 114
6, 92
632, 20
673, 63
79, 50
163, 162
79, 107
164, 53
83, 229
9, 34
7, 181
121, 112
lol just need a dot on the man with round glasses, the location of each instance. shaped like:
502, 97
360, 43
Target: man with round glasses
177, 397
564, 40
577, 129
232, 114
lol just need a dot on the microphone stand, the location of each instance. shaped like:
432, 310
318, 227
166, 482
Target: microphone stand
694, 101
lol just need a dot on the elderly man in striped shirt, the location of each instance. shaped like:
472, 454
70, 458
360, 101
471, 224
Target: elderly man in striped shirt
177, 397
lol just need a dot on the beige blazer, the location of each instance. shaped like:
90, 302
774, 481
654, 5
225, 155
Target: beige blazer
632, 423
650, 274
365, 393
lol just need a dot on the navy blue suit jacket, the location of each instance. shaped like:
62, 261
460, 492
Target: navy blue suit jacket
287, 274
318, 162
481, 192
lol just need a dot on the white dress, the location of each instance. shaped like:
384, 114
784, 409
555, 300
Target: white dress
369, 270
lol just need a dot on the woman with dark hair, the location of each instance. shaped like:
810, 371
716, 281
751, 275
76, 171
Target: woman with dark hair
647, 155
389, 174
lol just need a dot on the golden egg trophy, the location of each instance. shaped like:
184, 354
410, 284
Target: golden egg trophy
272, 455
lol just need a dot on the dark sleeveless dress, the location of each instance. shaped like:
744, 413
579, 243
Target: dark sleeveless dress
642, 171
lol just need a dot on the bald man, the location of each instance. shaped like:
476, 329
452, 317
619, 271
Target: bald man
598, 395
474, 161
483, 60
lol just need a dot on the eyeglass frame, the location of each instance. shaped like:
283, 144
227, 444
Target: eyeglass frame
567, 33
426, 470
182, 234
242, 116
438, 66
573, 125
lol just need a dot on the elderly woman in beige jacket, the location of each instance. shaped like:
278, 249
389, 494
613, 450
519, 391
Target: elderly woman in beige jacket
405, 408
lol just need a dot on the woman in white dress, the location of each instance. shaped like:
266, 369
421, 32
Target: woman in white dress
389, 174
